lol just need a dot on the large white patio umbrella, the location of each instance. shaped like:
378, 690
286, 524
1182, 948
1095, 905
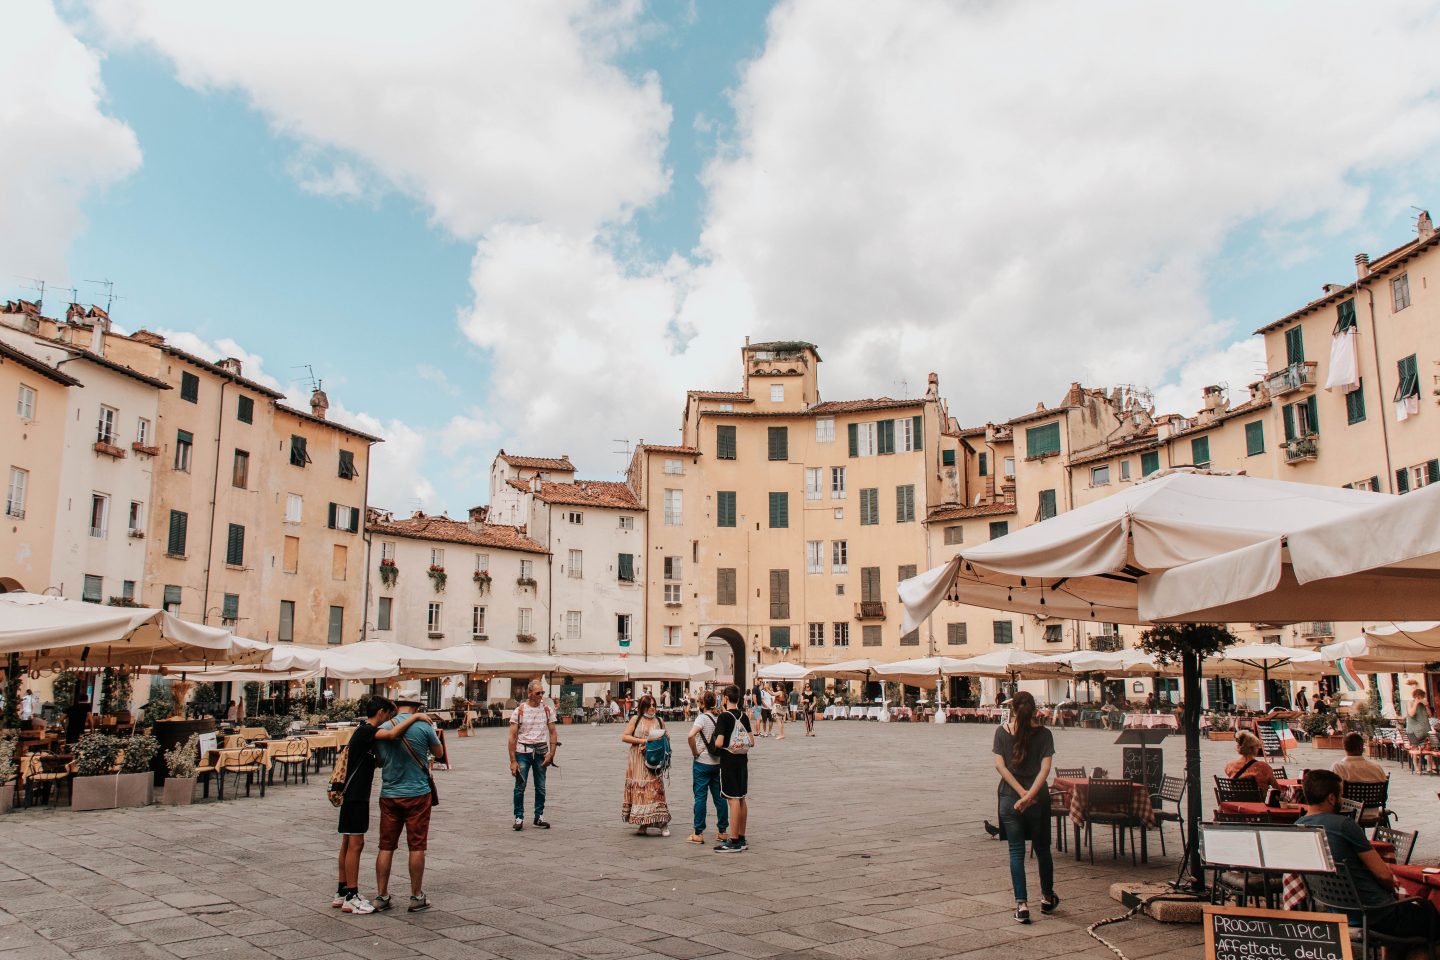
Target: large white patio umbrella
382, 655
860, 669
1001, 663
1402, 647
783, 671
483, 659
590, 669
669, 668
1118, 663
1270, 658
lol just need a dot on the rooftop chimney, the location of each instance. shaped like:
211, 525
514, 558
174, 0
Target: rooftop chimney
1329, 288
319, 403
477, 517
232, 365
1362, 265
535, 483
1424, 226
146, 337
932, 388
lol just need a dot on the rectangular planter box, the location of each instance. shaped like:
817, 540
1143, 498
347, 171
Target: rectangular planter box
1328, 743
1220, 735
109, 792
178, 791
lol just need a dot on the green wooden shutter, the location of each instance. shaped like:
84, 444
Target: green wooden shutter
1287, 413
1345, 316
1312, 416
947, 458
331, 522
1375, 484
235, 546
725, 508
779, 510
999, 528
917, 432
780, 638
854, 432
1254, 438
779, 443
1200, 451
1294, 345
885, 436
984, 464
1432, 471
626, 568
1047, 504
1402, 480
1409, 378
175, 546
1355, 403
230, 607
245, 409
724, 442
354, 519
1149, 463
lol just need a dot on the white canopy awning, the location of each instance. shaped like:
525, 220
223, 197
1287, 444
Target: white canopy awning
861, 669
591, 669
1115, 663
488, 661
1004, 663
666, 667
920, 672
783, 671
1389, 648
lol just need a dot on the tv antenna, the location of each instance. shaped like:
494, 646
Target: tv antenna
904, 386
109, 286
309, 380
623, 450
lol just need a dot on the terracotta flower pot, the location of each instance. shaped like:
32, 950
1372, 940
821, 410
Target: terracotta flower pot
179, 791
1328, 743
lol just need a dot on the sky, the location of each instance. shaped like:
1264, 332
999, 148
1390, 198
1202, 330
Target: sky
534, 226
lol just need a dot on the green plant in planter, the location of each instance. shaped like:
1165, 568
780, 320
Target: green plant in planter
252, 696
1367, 719
8, 767
95, 754
341, 710
1315, 725
205, 701
389, 573
568, 704
276, 727
437, 577
140, 751
62, 689
116, 690
160, 706
182, 759
12, 693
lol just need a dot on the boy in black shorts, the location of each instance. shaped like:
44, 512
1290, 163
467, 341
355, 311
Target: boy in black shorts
360, 763
733, 733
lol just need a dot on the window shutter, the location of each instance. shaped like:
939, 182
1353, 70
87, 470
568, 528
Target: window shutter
1047, 504
354, 519
235, 546
725, 586
176, 544
331, 522
626, 567
885, 436
725, 508
1375, 484
1312, 416
779, 510
1432, 471
853, 430
984, 464
245, 409
917, 432
1288, 414
724, 442
1294, 345
779, 594
947, 458
1149, 463
1345, 316
779, 443
1402, 480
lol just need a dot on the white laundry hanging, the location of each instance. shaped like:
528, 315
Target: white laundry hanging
1344, 370
1407, 407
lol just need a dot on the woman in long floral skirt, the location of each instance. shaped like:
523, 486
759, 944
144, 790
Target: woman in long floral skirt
644, 805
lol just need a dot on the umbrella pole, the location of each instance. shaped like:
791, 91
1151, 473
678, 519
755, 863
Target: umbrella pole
1264, 682
1190, 714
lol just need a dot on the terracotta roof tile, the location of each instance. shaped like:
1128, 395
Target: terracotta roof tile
423, 527
1038, 414
734, 396
660, 448
36, 365
218, 370
999, 509
585, 493
328, 423
538, 463
120, 368
825, 409
1119, 450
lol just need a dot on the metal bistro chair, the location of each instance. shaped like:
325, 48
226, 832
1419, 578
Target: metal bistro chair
1402, 841
251, 762
1336, 892
1060, 811
293, 754
1172, 790
1280, 773
1111, 803
1237, 790
1070, 773
1352, 809
1373, 797
49, 774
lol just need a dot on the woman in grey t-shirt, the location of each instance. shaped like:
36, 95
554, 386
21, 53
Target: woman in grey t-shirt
1023, 753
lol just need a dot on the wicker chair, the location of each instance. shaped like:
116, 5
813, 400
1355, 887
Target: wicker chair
1060, 812
49, 773
1335, 892
1237, 790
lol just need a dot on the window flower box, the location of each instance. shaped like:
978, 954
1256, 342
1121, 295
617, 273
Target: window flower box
109, 450
140, 448
525, 637
483, 580
437, 577
525, 581
389, 573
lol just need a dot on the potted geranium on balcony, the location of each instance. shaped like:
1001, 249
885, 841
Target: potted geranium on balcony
437, 577
483, 580
389, 573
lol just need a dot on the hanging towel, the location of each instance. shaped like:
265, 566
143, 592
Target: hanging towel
1407, 407
1344, 371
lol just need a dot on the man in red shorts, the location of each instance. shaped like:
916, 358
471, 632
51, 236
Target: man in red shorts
405, 802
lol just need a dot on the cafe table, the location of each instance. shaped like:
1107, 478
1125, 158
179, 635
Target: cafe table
1417, 882
1289, 789
1286, 813
1148, 721
1077, 789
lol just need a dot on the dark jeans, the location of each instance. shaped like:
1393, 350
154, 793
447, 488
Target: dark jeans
530, 762
1033, 824
706, 779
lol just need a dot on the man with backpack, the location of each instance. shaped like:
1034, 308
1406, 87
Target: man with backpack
350, 787
407, 793
705, 771
531, 747
733, 739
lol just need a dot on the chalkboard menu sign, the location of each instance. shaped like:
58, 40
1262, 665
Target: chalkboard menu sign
1270, 740
1154, 767
1250, 933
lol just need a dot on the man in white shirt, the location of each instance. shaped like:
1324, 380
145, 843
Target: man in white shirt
705, 771
27, 706
1355, 768
532, 749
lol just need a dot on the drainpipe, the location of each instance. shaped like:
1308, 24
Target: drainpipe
1379, 386
214, 495
369, 544
549, 570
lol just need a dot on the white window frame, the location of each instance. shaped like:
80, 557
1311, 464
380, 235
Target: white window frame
1124, 470
102, 531
1400, 293
840, 634
387, 549
674, 467
837, 483
866, 438
482, 563
527, 569
572, 625
627, 522
343, 516
25, 400
777, 393
575, 569
142, 432
839, 513
814, 556
437, 556
295, 512
477, 621
1100, 475
817, 634
523, 621
824, 429
1008, 468
136, 520
839, 556
674, 508
905, 442
672, 636
435, 616
575, 517
16, 493
1419, 476
813, 480
624, 628
105, 425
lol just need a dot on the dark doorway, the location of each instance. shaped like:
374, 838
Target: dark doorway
737, 651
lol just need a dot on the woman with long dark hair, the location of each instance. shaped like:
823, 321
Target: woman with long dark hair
644, 804
1023, 752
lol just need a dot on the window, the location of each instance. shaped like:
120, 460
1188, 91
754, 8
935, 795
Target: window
912, 434
623, 629
870, 635
905, 503
105, 428
672, 636
1043, 440
725, 508
1054, 633
1355, 403
1100, 476
780, 638
674, 467
574, 517
627, 522
869, 506
906, 572
839, 513
382, 614
127, 589
1294, 345
911, 639
1345, 316
999, 528
576, 568
625, 568
336, 633
824, 429
339, 561
814, 556
1301, 419
671, 575
189, 387
527, 568
184, 444
299, 455
240, 470
863, 439
286, 631
725, 586
779, 594
955, 634
984, 461
523, 622
724, 408
817, 634
837, 483
1372, 484
839, 556
94, 589
1149, 463
175, 544
477, 623
25, 403
1047, 501
777, 441
1124, 469
230, 607
346, 468
947, 458
1409, 378
840, 634
813, 482
1400, 292
142, 432
1007, 468
245, 409
235, 545
673, 508
171, 601
387, 549
99, 515
777, 393
15, 493
344, 518
437, 557
885, 436
1200, 452
840, 589
572, 624
135, 523
295, 506
1004, 631
779, 510
724, 442
869, 584
1424, 474
954, 535
435, 617
292, 555
1254, 438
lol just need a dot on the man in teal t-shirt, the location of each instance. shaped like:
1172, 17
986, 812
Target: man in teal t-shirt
405, 802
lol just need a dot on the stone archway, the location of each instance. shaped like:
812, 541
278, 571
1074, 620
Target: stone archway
8, 585
737, 651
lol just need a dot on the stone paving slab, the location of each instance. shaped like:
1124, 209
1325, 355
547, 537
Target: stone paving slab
866, 842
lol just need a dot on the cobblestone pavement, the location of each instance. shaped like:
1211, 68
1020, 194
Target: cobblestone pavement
866, 841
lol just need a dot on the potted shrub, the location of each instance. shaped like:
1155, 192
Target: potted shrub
389, 573
135, 784
568, 704
1319, 728
181, 761
94, 786
437, 577
8, 771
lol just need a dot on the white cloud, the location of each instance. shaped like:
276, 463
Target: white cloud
59, 144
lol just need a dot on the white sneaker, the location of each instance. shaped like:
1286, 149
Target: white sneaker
339, 901
665, 832
358, 904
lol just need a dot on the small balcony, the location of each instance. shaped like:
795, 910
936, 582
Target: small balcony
870, 610
1317, 629
1107, 642
1300, 450
525, 637
1297, 376
108, 449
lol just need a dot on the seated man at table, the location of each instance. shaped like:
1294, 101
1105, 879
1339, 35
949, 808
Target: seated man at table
1355, 768
1373, 880
1250, 763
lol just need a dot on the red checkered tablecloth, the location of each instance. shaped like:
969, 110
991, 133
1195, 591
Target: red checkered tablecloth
1077, 790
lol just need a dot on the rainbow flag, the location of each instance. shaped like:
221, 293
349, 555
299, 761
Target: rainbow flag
1347, 672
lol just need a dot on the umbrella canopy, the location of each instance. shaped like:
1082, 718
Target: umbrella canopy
920, 672
479, 658
1114, 663
58, 633
1389, 648
1099, 561
669, 668
861, 669
1268, 660
396, 658
1004, 663
783, 671
591, 669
